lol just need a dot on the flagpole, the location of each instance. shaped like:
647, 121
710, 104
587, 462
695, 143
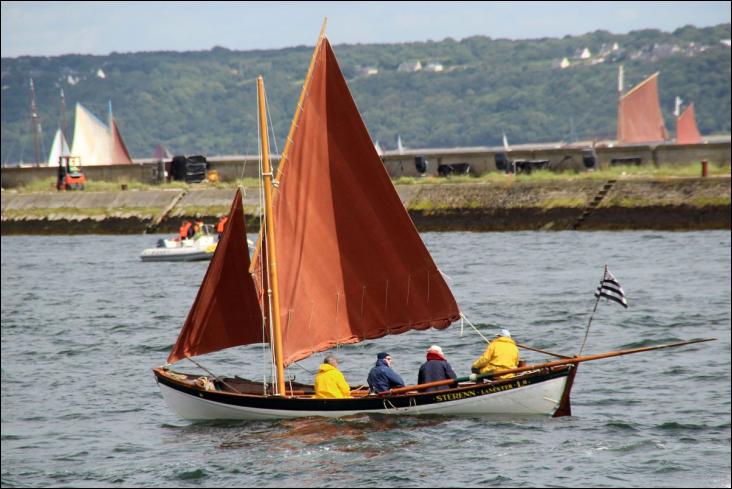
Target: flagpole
597, 301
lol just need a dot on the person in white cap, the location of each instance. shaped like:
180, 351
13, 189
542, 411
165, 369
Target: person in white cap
501, 354
434, 369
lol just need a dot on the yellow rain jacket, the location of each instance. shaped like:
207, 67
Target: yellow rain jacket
501, 354
330, 383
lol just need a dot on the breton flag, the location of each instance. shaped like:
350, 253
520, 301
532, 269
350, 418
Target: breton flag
611, 289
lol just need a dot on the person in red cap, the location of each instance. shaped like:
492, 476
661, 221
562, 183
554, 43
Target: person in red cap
434, 369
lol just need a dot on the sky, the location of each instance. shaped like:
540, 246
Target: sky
56, 28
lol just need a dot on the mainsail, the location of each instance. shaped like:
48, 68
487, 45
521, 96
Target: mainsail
351, 263
639, 114
686, 130
226, 310
96, 143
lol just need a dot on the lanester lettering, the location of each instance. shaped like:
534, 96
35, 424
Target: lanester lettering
455, 396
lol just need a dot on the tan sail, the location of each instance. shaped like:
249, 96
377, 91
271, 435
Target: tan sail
119, 154
351, 263
686, 130
226, 310
639, 114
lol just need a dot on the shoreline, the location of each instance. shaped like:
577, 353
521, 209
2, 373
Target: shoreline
661, 218
678, 204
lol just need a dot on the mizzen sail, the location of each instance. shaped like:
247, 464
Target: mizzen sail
639, 114
686, 129
226, 311
351, 263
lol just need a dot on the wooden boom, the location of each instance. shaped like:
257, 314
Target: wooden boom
556, 363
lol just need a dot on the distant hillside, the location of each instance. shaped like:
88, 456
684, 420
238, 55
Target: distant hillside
467, 93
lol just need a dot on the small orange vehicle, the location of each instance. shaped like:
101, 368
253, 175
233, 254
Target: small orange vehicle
70, 176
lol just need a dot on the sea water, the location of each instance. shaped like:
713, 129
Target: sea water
84, 320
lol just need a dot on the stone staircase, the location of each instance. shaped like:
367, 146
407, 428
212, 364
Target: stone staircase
595, 202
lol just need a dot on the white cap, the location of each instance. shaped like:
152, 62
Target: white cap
504, 332
435, 349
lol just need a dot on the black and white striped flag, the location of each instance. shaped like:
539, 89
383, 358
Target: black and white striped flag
611, 289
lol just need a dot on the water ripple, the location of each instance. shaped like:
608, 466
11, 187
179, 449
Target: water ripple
80, 406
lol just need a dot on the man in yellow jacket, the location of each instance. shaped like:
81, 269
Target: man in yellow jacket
501, 354
329, 381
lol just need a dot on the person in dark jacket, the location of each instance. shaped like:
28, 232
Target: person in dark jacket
382, 377
434, 369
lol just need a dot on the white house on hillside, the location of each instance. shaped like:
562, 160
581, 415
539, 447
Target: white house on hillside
436, 67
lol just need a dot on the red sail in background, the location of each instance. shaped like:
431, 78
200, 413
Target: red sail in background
226, 311
639, 114
686, 130
119, 153
351, 263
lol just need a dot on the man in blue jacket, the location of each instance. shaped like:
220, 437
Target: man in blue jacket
382, 377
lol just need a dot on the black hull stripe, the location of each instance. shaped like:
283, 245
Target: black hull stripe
363, 404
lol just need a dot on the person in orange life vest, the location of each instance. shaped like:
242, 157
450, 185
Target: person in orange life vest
186, 230
330, 382
501, 354
221, 225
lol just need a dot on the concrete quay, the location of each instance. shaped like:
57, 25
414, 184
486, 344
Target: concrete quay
510, 205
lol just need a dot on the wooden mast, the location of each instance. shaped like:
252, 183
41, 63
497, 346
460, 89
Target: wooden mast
273, 291
35, 125
63, 118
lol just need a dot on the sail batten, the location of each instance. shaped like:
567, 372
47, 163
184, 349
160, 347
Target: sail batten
639, 114
350, 260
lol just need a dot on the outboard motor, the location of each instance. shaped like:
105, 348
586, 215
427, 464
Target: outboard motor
420, 164
589, 158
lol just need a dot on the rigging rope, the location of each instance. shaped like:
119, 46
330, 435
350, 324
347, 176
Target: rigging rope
463, 318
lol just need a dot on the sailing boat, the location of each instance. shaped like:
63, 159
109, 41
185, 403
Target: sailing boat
338, 262
639, 113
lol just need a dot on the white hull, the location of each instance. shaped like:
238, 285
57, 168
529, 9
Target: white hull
536, 399
175, 254
187, 250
